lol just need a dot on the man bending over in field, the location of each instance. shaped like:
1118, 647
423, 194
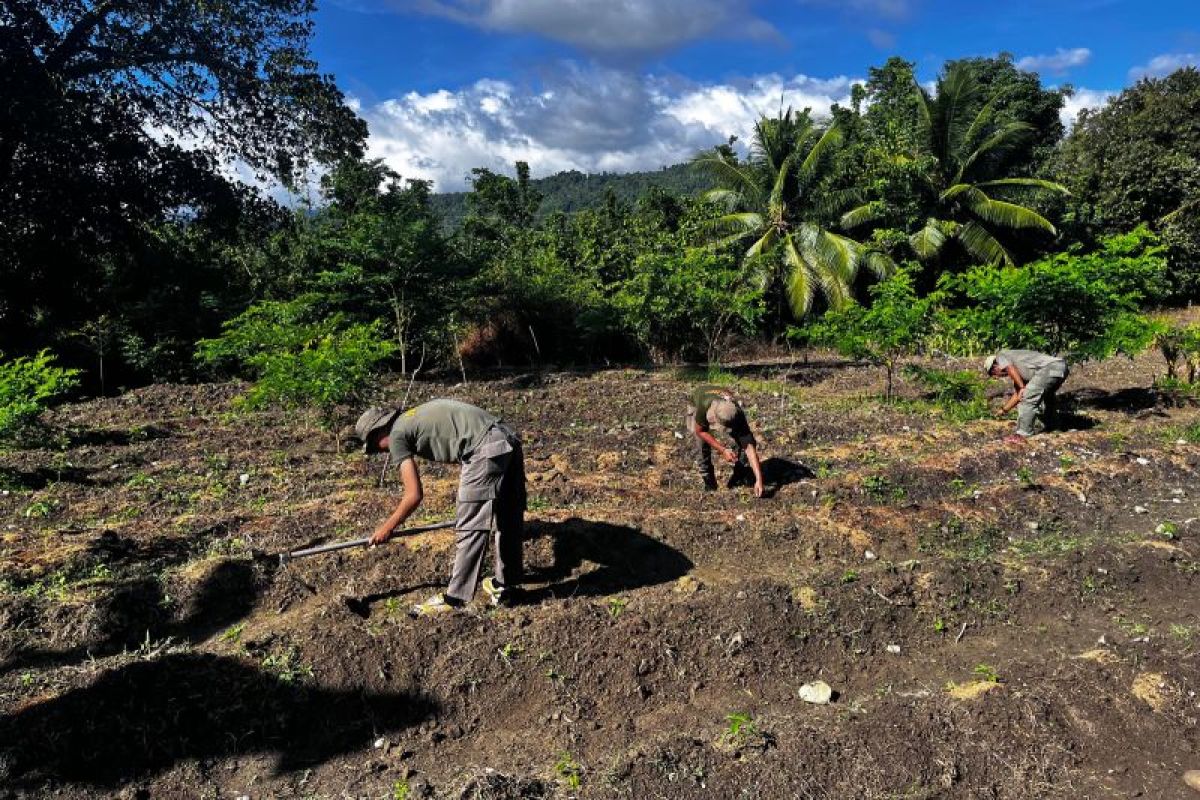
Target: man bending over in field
711, 409
1036, 378
491, 489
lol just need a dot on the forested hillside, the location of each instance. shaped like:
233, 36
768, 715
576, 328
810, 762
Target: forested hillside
574, 191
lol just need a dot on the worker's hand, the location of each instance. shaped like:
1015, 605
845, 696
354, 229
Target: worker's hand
380, 536
999, 413
758, 488
729, 456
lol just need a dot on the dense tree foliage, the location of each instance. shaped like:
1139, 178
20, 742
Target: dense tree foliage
116, 122
1137, 160
124, 241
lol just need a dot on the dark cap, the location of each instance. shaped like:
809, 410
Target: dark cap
371, 422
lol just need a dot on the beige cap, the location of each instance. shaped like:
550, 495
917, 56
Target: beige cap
723, 412
987, 364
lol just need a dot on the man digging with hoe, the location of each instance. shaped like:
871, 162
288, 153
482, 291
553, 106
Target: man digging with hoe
1036, 378
491, 489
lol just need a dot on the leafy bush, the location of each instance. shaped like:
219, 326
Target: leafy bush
891, 328
1083, 305
297, 361
27, 385
959, 393
687, 305
1179, 344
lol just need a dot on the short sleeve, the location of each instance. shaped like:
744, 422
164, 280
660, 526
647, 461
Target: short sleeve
400, 442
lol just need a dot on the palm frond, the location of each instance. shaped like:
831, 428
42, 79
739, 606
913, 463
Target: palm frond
829, 204
981, 244
729, 199
730, 176
879, 264
811, 163
763, 244
798, 283
740, 224
1009, 215
1029, 183
928, 241
775, 201
1004, 138
864, 214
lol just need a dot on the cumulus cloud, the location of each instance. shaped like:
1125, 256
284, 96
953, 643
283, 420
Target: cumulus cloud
607, 26
1164, 64
1057, 62
587, 119
1081, 99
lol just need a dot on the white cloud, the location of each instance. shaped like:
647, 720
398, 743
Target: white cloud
1081, 99
1057, 62
592, 120
1164, 64
607, 26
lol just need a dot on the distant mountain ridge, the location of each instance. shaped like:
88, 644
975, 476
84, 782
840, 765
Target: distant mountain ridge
574, 191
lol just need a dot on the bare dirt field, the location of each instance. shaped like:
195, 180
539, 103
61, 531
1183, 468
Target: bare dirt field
994, 621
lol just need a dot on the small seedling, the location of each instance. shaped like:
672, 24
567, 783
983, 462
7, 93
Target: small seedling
569, 770
939, 625
986, 672
234, 633
1025, 477
1065, 462
1181, 632
616, 606
400, 790
741, 727
1167, 530
849, 576
509, 652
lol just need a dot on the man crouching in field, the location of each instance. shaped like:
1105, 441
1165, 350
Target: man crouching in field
1036, 378
491, 489
711, 408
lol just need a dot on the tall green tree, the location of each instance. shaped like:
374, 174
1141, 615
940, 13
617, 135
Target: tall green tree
118, 118
961, 146
779, 201
1137, 160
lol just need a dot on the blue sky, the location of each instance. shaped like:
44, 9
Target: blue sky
618, 85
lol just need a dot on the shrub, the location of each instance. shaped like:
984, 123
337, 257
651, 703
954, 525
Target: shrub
1081, 305
27, 385
891, 328
687, 305
297, 362
959, 393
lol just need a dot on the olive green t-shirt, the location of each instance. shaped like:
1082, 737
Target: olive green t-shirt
440, 430
739, 429
1027, 362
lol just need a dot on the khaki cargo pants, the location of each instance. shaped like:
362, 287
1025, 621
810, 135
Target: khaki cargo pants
491, 500
1041, 395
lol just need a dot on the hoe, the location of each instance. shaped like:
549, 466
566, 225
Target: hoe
333, 547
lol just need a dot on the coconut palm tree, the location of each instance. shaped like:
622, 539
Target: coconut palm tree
777, 202
967, 148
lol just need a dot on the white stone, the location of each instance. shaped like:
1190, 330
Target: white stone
244, 478
1141, 510
869, 555
380, 742
818, 692
894, 649
1142, 461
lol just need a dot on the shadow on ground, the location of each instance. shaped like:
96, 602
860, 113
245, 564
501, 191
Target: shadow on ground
1130, 401
138, 611
147, 716
620, 558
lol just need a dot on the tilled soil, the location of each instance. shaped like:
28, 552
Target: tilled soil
995, 621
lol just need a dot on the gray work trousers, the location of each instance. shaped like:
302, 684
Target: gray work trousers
1041, 395
491, 500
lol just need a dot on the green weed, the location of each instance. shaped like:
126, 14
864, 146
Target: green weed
616, 606
286, 666
234, 633
569, 770
986, 672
